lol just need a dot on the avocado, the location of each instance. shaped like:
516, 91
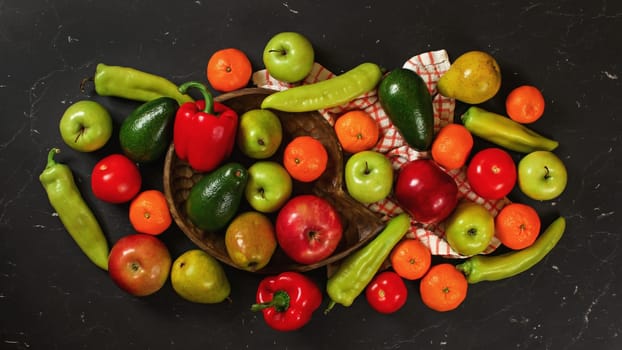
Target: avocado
405, 98
214, 200
147, 132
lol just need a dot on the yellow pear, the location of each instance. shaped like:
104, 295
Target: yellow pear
250, 240
472, 78
198, 277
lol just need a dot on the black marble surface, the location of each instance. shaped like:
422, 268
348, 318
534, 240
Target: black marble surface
51, 297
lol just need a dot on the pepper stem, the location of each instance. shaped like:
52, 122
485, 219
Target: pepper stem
330, 306
465, 267
207, 96
280, 301
51, 161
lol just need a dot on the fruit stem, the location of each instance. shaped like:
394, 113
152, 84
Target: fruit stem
80, 133
546, 175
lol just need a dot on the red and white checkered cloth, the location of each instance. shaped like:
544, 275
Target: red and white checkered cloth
430, 66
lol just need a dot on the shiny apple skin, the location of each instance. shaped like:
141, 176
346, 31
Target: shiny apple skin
139, 264
308, 229
425, 191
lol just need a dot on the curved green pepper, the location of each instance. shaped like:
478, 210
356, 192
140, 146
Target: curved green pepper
134, 84
492, 268
326, 93
505, 132
358, 269
76, 216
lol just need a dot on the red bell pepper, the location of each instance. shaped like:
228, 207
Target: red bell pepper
204, 131
287, 300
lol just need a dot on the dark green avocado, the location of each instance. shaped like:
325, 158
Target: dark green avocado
406, 100
147, 132
214, 200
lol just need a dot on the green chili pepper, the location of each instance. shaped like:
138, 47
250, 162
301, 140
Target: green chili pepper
505, 132
491, 268
76, 216
326, 93
133, 84
358, 269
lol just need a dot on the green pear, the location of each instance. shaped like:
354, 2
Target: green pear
259, 133
472, 78
197, 277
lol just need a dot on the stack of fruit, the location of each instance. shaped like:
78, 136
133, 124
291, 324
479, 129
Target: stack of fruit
253, 204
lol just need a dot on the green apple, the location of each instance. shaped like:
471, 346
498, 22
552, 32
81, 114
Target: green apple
197, 277
289, 57
369, 176
268, 187
86, 126
542, 175
470, 228
259, 133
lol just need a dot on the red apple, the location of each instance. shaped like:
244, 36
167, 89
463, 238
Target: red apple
308, 229
425, 191
139, 264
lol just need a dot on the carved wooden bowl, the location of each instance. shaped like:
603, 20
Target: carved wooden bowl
359, 223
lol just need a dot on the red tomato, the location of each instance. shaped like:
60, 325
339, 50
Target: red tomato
492, 173
387, 292
115, 179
